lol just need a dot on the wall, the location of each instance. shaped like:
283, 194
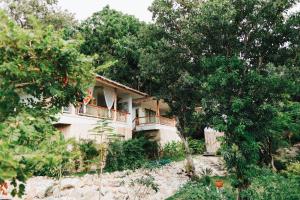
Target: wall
168, 134
211, 140
79, 127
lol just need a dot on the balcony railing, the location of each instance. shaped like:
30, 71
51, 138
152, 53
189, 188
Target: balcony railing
101, 112
155, 120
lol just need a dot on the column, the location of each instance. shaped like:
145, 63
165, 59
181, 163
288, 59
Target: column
115, 105
157, 112
129, 120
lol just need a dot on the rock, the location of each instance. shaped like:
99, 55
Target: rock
116, 185
68, 183
38, 187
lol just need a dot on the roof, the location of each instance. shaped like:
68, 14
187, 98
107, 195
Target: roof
116, 84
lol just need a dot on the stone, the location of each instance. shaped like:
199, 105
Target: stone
116, 185
68, 183
38, 187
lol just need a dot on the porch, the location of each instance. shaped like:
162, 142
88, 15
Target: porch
154, 120
90, 110
151, 114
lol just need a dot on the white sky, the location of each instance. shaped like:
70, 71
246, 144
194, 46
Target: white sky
85, 8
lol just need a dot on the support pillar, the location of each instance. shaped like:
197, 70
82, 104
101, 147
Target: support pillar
129, 120
115, 105
157, 111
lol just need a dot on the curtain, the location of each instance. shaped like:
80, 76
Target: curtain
109, 95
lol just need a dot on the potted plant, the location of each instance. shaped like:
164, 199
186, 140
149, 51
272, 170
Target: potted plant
219, 183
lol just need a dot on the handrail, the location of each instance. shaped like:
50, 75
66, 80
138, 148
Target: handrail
102, 112
154, 120
102, 107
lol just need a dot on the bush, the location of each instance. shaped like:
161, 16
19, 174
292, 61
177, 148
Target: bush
131, 154
89, 153
294, 168
269, 185
200, 191
196, 146
58, 160
174, 151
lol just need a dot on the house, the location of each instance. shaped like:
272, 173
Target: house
127, 110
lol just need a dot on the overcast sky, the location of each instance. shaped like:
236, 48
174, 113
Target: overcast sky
85, 8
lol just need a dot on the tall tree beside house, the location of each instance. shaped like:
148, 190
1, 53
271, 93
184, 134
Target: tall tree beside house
239, 60
114, 38
40, 72
46, 11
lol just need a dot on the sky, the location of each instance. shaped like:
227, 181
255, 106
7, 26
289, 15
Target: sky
85, 8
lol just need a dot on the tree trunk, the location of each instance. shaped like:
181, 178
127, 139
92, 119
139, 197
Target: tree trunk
271, 155
190, 167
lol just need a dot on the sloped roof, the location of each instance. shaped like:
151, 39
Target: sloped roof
119, 85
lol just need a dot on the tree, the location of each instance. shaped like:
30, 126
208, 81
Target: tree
103, 133
44, 10
114, 37
236, 60
40, 72
39, 68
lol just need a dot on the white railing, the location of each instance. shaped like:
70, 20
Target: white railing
154, 120
101, 112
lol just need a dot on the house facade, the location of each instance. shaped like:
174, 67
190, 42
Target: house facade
128, 112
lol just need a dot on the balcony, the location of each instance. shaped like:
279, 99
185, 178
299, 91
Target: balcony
101, 112
153, 123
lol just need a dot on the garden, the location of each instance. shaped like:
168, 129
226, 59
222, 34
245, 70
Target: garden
233, 66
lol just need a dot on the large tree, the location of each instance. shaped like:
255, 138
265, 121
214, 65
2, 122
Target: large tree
39, 73
114, 38
46, 11
238, 60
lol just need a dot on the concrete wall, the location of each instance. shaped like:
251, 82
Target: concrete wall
79, 127
168, 134
163, 135
211, 140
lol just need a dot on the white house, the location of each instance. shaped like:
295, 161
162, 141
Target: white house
129, 111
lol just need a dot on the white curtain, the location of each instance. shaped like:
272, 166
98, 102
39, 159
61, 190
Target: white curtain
109, 95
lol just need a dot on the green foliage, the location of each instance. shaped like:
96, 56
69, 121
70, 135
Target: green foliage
39, 69
32, 146
113, 37
294, 168
54, 158
89, 152
147, 181
131, 154
200, 191
174, 151
40, 72
268, 185
153, 164
21, 11
264, 185
196, 146
229, 56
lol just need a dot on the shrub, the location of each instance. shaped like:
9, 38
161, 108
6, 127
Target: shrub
200, 191
174, 151
89, 153
131, 154
196, 146
269, 185
58, 160
156, 163
294, 168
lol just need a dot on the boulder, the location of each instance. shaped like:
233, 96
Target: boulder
38, 187
68, 183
